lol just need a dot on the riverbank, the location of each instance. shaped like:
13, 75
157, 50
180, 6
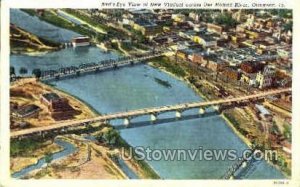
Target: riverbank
87, 106
54, 19
25, 93
25, 153
24, 42
81, 163
85, 20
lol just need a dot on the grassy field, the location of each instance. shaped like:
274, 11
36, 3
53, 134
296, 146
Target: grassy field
169, 66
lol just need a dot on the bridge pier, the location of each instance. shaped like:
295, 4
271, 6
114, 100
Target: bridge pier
127, 122
217, 107
85, 125
63, 129
244, 164
178, 114
202, 111
153, 117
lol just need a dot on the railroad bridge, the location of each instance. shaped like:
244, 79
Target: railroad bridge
241, 164
153, 112
103, 65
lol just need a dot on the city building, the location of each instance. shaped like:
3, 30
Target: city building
214, 28
27, 111
81, 41
232, 73
184, 53
251, 67
198, 58
206, 40
265, 77
59, 107
178, 17
214, 63
249, 78
146, 27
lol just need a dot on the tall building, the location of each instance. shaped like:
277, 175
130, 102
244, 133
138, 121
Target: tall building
265, 77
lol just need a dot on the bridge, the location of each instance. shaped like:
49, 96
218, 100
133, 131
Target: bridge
153, 112
95, 67
241, 164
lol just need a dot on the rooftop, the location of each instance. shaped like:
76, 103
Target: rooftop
50, 96
24, 110
262, 109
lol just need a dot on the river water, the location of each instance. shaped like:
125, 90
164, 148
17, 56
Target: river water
40, 28
136, 87
68, 149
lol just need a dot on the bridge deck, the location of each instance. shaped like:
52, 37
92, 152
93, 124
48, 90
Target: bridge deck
92, 67
145, 111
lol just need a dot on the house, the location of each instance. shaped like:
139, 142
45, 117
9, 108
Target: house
251, 67
59, 107
263, 112
47, 98
252, 34
188, 34
81, 41
184, 53
198, 58
265, 77
206, 40
214, 63
27, 111
194, 16
249, 78
284, 53
214, 28
232, 73
178, 17
147, 28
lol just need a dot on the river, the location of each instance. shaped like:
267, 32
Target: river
68, 149
40, 28
136, 87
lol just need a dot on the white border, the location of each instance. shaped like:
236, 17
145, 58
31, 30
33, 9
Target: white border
5, 179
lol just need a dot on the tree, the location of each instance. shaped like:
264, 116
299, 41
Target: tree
112, 136
226, 19
288, 26
23, 70
48, 158
12, 70
37, 73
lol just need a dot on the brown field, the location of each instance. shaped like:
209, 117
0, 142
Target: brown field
29, 92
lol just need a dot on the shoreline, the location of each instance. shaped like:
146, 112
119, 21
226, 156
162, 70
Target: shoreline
93, 110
